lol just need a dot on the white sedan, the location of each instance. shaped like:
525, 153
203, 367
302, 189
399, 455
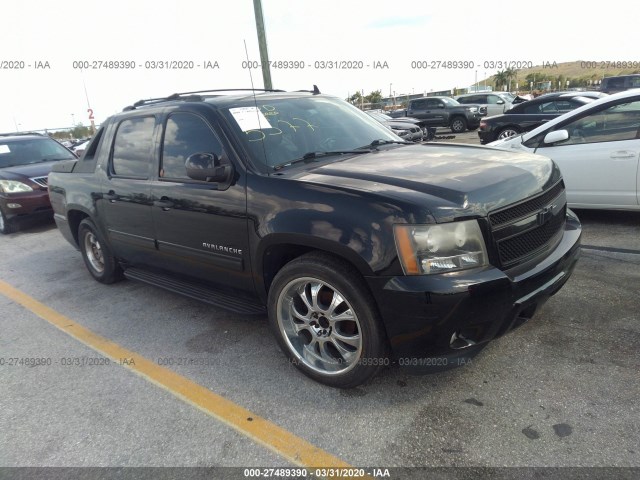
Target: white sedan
597, 148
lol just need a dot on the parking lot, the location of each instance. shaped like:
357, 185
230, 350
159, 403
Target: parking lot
560, 391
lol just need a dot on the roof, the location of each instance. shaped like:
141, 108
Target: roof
218, 97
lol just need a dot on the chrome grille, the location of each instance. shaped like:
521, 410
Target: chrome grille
529, 228
42, 181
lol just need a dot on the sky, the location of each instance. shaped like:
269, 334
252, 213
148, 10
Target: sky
47, 46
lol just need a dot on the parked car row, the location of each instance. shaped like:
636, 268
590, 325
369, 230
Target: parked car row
530, 114
596, 146
409, 128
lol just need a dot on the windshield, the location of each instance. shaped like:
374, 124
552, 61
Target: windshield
507, 95
24, 151
285, 129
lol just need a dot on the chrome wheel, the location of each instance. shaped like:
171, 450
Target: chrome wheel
94, 252
508, 132
319, 325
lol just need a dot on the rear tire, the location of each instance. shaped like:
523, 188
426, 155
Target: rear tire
326, 321
97, 254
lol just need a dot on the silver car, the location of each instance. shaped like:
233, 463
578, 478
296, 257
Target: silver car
496, 103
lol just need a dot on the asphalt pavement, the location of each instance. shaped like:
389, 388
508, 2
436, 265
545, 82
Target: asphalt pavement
562, 390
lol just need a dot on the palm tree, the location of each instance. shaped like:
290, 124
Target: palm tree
510, 73
500, 79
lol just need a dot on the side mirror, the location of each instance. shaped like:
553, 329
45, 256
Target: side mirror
556, 136
500, 102
206, 168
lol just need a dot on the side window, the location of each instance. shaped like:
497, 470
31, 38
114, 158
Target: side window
186, 134
419, 104
634, 82
133, 147
617, 123
532, 108
548, 107
87, 164
493, 99
564, 106
433, 103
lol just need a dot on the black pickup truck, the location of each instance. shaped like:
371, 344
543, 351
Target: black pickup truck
362, 249
443, 112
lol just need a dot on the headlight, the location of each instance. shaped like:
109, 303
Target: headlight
13, 186
400, 132
472, 109
429, 249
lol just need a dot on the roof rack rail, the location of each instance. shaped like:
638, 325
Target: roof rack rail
315, 91
193, 96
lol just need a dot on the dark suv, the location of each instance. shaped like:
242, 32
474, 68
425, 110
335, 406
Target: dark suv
360, 247
25, 162
443, 112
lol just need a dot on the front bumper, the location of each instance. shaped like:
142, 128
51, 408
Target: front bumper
486, 136
424, 314
26, 204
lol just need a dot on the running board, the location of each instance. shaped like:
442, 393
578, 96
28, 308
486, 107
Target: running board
198, 292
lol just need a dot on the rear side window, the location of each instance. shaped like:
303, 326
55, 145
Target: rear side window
133, 147
186, 134
87, 164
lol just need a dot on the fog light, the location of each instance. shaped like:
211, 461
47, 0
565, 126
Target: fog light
14, 205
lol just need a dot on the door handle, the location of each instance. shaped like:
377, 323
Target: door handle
164, 203
111, 196
624, 154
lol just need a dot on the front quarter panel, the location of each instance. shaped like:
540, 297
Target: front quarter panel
357, 226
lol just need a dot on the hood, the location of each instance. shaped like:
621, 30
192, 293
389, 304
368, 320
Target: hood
450, 180
32, 170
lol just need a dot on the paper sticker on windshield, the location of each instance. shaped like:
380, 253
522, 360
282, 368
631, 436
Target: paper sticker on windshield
249, 118
4, 149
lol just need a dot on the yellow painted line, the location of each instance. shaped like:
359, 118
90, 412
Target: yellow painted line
270, 435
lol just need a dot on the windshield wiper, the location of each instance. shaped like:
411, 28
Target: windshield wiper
311, 156
379, 142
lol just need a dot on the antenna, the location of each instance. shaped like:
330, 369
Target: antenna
255, 101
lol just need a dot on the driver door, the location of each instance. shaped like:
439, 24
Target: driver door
200, 227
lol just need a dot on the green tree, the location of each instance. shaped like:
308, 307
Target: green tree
355, 99
374, 97
80, 131
500, 79
510, 74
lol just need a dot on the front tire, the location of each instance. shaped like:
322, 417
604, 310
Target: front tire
326, 321
6, 227
458, 125
97, 254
